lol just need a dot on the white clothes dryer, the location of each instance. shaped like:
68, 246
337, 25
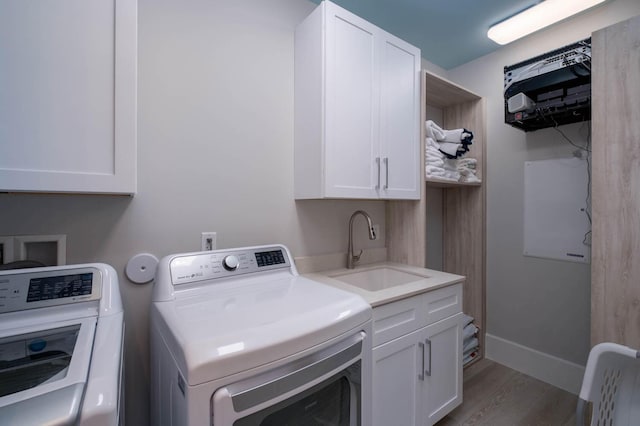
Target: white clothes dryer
61, 340
239, 338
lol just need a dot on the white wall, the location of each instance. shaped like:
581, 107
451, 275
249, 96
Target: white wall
540, 304
215, 144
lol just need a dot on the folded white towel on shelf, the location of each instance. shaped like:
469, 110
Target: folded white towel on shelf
468, 163
453, 176
432, 143
450, 148
450, 165
470, 179
473, 353
433, 153
457, 135
441, 135
466, 320
441, 174
467, 169
434, 131
469, 357
434, 159
442, 178
471, 345
435, 162
434, 170
469, 332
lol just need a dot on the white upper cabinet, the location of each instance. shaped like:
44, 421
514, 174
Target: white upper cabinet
356, 109
350, 106
68, 96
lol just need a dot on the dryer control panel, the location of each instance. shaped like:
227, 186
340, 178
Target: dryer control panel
208, 265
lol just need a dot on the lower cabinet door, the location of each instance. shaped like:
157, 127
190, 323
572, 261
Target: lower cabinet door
396, 385
417, 378
443, 371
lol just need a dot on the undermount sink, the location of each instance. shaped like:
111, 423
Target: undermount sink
376, 279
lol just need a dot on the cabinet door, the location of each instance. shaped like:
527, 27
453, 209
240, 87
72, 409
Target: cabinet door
396, 365
443, 371
351, 169
68, 103
399, 119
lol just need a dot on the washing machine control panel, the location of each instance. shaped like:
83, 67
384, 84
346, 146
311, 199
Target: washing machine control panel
226, 263
29, 290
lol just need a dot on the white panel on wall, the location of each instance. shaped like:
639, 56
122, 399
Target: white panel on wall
556, 225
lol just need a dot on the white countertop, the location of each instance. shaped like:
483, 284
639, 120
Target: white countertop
428, 280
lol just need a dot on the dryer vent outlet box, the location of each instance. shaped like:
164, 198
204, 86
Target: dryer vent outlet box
45, 250
550, 89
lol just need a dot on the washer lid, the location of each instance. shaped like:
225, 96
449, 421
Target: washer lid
225, 329
29, 360
43, 370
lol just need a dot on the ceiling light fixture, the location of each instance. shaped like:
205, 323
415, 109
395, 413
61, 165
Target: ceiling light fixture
537, 17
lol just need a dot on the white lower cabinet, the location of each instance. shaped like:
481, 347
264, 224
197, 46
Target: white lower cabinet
443, 384
396, 390
417, 376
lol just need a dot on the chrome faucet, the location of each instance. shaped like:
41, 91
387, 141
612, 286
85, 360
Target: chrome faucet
352, 258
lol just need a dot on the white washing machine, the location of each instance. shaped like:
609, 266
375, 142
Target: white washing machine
61, 334
239, 338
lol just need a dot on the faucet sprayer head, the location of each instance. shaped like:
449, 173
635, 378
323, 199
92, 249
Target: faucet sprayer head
351, 256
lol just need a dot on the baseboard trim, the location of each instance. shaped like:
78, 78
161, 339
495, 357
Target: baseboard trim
548, 368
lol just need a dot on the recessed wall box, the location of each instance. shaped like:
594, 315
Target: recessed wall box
6, 250
50, 250
557, 82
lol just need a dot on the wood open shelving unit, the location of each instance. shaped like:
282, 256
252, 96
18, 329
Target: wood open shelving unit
463, 204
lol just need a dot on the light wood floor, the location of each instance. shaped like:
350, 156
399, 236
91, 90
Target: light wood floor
495, 395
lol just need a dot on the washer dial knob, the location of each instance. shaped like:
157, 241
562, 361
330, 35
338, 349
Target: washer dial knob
230, 263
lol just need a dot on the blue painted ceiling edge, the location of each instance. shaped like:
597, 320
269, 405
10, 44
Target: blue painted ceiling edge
448, 32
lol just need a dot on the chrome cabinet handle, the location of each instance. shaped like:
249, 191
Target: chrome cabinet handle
428, 372
421, 373
378, 163
386, 163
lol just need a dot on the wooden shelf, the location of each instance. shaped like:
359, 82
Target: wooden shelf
445, 183
443, 93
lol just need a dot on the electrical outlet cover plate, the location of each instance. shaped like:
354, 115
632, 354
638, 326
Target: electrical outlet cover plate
208, 241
